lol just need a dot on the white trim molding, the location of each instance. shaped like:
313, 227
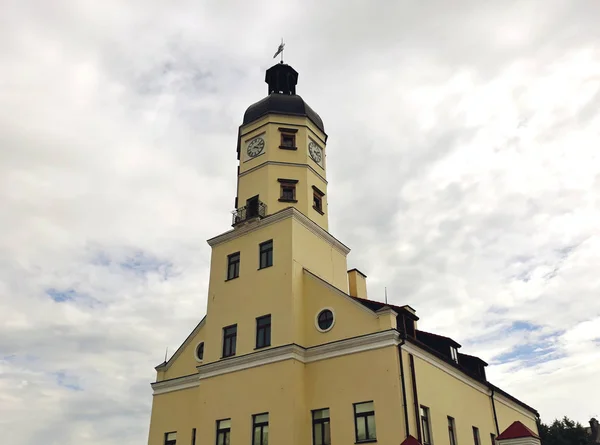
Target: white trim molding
510, 404
369, 342
188, 381
330, 309
290, 212
443, 366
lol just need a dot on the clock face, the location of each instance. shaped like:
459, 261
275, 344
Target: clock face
316, 152
255, 147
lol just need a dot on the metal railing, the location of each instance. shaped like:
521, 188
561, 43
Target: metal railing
249, 211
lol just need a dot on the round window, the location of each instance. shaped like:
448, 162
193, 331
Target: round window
325, 320
200, 351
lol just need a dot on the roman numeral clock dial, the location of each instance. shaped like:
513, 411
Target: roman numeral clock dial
315, 152
255, 147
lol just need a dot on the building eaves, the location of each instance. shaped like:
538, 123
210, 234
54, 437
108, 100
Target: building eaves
448, 361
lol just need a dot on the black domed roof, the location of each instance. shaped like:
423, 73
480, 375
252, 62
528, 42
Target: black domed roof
290, 104
282, 98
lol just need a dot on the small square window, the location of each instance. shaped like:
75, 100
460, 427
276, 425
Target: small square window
318, 200
171, 438
288, 192
288, 141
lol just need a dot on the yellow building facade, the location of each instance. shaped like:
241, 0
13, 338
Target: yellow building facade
292, 350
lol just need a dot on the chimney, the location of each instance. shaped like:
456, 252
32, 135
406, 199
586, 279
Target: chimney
357, 283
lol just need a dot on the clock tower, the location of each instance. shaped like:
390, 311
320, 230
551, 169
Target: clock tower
291, 349
281, 153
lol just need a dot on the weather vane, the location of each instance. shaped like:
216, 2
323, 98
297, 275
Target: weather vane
280, 50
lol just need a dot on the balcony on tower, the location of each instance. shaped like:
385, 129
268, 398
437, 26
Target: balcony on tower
253, 209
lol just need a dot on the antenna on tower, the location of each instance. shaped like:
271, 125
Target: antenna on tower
385, 295
166, 352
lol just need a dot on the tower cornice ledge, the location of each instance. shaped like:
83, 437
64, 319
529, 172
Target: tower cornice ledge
289, 212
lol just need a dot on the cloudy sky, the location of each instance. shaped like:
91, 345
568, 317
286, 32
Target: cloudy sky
464, 174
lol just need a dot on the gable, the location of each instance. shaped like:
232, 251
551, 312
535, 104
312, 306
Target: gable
351, 319
183, 361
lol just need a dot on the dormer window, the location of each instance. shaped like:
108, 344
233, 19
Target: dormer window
454, 354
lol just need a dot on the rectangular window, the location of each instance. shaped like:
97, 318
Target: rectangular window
364, 422
263, 331
171, 438
320, 427
476, 440
229, 340
493, 438
193, 436
288, 141
266, 254
223, 431
451, 431
318, 200
425, 425
260, 429
233, 266
288, 190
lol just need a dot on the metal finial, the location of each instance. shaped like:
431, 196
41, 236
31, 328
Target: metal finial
280, 50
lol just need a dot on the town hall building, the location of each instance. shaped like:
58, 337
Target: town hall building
292, 351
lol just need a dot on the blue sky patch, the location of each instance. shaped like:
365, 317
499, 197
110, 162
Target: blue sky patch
67, 381
60, 296
141, 263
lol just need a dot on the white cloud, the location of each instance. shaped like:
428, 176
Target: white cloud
466, 135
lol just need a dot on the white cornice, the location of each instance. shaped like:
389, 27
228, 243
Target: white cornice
290, 212
433, 360
354, 345
233, 364
443, 366
509, 403
188, 381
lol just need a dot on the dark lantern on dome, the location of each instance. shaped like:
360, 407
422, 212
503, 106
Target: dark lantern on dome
282, 98
281, 79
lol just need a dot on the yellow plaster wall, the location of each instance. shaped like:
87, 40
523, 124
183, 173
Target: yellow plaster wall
339, 382
173, 411
351, 319
507, 415
262, 180
253, 294
319, 257
276, 388
445, 395
185, 363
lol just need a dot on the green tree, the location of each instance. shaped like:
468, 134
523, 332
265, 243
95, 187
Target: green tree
563, 432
